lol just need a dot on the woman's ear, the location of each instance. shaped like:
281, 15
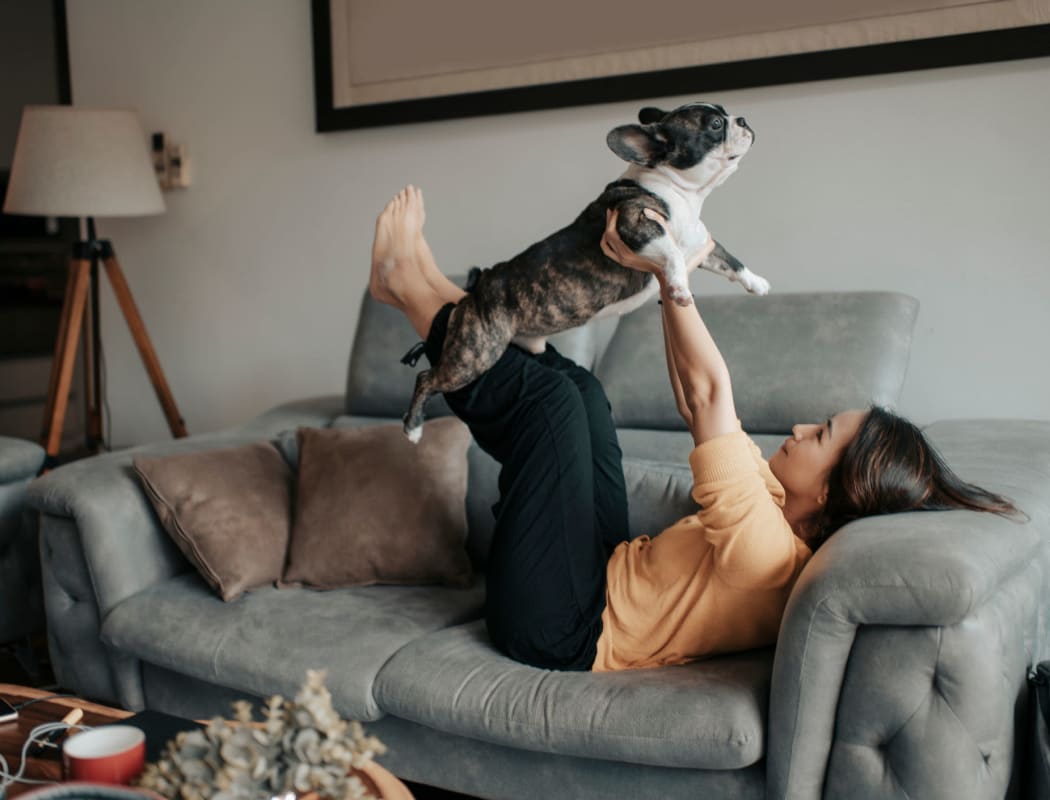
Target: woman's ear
644, 145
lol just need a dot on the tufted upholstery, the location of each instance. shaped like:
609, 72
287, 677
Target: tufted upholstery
901, 658
903, 651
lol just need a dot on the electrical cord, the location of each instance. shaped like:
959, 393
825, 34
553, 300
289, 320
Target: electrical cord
7, 777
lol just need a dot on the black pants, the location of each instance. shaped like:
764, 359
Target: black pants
563, 503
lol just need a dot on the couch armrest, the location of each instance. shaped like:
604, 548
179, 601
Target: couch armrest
124, 545
973, 584
102, 543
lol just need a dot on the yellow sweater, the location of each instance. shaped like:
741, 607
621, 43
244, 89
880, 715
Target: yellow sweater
714, 582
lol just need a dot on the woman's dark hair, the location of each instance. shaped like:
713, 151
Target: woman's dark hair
891, 467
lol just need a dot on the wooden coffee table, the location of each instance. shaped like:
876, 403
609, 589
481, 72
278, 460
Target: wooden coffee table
14, 734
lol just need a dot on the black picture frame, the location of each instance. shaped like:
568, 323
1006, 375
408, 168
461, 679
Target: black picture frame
945, 51
65, 90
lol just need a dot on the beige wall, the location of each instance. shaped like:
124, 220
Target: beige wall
930, 183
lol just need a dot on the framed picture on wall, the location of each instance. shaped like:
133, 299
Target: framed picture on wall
400, 61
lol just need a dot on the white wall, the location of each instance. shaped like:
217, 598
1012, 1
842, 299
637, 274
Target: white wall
931, 183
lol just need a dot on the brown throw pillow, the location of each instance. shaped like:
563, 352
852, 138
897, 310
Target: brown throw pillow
228, 511
372, 507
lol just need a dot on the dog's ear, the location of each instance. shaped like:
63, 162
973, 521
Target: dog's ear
644, 145
650, 114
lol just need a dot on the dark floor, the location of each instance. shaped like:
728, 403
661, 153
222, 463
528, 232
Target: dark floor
16, 667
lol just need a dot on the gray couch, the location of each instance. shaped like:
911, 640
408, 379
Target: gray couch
901, 661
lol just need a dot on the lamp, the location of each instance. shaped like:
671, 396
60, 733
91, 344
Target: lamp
81, 162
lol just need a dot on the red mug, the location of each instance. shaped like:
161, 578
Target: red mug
107, 754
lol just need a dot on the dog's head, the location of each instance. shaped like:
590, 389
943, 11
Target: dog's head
699, 140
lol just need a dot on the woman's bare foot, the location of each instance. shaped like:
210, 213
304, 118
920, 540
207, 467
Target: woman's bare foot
395, 259
437, 279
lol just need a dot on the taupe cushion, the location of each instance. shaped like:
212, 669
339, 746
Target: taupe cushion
371, 507
228, 511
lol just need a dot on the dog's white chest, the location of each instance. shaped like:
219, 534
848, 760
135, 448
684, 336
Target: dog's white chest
684, 208
688, 230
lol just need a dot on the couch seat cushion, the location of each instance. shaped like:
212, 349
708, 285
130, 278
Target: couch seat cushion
264, 642
707, 715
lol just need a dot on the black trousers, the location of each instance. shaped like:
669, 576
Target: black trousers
563, 503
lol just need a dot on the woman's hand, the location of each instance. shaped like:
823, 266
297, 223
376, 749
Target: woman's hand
613, 246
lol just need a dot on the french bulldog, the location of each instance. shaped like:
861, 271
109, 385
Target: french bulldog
676, 158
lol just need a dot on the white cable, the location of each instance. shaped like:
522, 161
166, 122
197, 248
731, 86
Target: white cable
7, 778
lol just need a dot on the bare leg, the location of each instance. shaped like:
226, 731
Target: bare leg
398, 278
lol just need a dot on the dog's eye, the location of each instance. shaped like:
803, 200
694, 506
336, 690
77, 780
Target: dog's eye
716, 124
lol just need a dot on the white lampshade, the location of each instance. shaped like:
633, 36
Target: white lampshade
82, 162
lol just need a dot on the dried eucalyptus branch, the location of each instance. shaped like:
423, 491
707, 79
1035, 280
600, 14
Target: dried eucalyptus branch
302, 747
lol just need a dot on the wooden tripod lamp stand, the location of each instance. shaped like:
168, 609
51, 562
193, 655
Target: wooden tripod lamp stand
87, 162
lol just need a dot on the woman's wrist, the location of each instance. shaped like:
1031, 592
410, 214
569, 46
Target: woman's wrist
665, 291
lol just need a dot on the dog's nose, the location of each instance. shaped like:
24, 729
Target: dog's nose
743, 124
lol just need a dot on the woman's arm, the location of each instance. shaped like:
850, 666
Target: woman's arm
676, 382
704, 389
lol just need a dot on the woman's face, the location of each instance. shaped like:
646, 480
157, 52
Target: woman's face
804, 461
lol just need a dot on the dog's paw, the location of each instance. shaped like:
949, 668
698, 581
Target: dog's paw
680, 294
755, 284
414, 434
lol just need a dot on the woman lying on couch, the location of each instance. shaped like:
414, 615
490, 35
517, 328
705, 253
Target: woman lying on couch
565, 587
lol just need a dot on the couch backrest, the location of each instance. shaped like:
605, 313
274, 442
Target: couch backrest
792, 357
379, 385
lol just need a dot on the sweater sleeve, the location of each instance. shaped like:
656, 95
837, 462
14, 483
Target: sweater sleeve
741, 513
773, 486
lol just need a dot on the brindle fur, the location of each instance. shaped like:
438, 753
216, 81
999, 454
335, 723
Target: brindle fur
565, 280
556, 284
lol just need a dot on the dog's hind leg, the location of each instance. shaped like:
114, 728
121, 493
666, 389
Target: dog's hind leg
472, 345
413, 419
